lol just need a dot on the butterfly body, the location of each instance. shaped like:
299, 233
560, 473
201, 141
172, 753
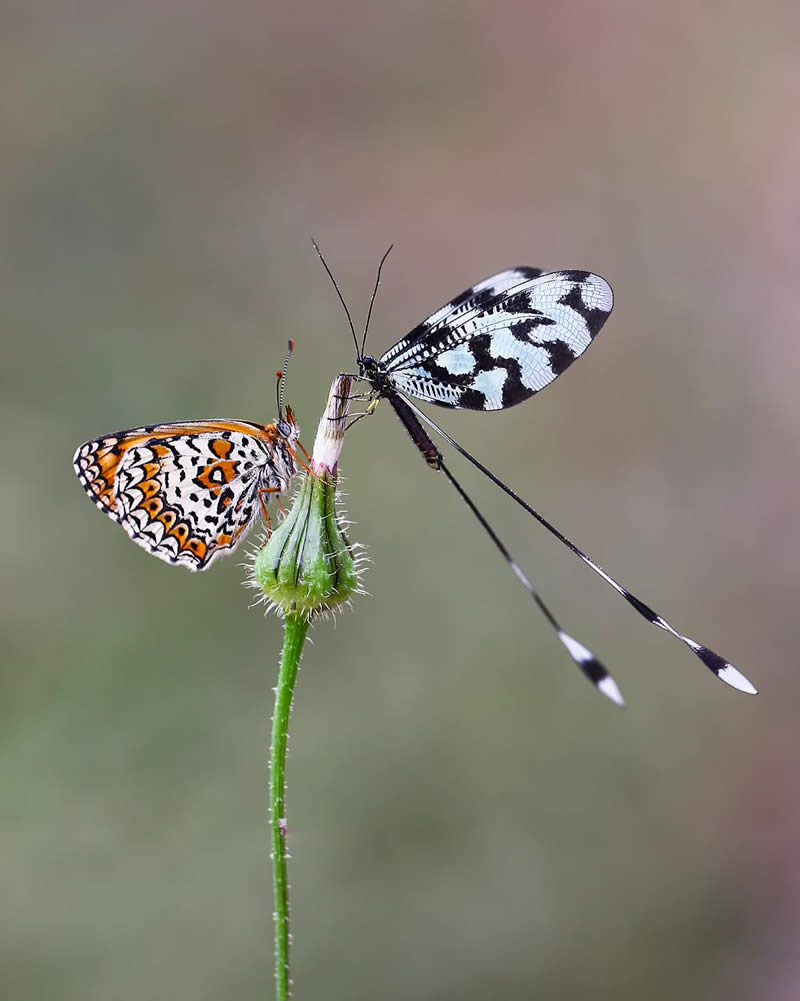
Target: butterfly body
188, 492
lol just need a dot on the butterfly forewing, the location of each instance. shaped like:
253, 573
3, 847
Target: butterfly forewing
186, 492
501, 341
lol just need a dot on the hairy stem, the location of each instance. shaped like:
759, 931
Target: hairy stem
295, 631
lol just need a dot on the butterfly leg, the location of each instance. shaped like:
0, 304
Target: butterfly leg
299, 461
263, 503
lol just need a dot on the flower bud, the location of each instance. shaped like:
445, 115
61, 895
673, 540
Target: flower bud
308, 565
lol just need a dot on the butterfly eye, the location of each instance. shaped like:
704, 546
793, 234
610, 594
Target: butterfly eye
284, 429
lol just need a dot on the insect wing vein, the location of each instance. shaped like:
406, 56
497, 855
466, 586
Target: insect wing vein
496, 347
450, 315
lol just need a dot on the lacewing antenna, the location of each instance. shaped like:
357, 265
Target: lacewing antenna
339, 293
372, 301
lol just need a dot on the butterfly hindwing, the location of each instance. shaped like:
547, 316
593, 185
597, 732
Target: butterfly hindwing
185, 492
502, 340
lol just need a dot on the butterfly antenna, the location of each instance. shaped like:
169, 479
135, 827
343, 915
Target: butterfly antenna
372, 300
718, 666
282, 380
339, 293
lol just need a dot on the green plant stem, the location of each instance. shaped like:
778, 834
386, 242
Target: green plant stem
294, 636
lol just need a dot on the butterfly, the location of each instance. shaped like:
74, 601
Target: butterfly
188, 492
493, 346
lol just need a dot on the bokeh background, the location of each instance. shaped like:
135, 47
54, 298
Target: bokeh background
468, 818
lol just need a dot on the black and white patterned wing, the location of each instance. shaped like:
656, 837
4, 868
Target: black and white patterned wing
477, 297
501, 341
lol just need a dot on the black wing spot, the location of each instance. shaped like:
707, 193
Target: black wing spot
640, 606
472, 399
520, 302
594, 670
480, 346
483, 300
594, 318
560, 353
712, 660
514, 390
461, 299
524, 327
529, 273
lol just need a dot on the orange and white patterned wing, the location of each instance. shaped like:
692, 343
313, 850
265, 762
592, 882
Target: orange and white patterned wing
186, 492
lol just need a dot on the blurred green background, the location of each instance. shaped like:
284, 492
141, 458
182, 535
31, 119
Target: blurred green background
468, 818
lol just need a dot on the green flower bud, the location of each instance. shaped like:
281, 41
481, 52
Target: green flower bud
308, 564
